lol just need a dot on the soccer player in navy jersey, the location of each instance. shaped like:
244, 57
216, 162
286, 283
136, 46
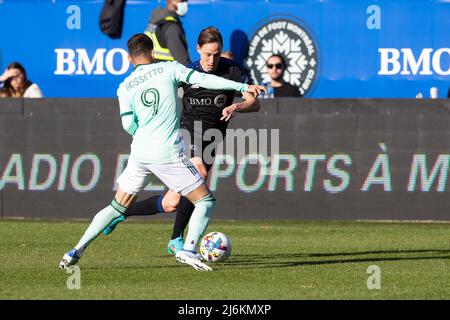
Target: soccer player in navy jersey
203, 109
150, 113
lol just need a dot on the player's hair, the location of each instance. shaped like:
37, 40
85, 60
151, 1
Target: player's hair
210, 35
283, 61
140, 45
8, 90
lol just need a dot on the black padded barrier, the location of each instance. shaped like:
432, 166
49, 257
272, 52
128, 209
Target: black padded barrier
337, 159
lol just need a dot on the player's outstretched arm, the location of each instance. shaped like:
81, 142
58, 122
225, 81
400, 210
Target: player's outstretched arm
204, 80
256, 89
250, 104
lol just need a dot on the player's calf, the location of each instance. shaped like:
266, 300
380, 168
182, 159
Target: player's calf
199, 221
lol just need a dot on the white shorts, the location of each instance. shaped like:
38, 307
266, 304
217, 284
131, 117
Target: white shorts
180, 176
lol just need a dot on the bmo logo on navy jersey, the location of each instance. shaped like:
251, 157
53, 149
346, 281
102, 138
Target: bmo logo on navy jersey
219, 101
102, 61
293, 41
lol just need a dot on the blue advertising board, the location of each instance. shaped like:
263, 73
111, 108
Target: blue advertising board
335, 49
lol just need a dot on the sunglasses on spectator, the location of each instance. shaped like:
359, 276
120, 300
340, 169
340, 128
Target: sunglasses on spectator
276, 65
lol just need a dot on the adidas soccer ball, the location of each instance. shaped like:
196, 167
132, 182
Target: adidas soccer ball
215, 247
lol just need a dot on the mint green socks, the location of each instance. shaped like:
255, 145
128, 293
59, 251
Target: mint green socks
101, 220
199, 221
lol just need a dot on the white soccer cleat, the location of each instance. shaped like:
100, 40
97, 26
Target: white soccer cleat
191, 258
200, 257
70, 258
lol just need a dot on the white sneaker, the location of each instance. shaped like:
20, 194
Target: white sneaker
69, 259
191, 259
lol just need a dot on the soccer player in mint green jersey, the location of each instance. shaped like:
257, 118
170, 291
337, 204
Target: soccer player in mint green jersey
150, 113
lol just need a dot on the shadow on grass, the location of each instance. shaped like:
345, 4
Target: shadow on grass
257, 261
302, 259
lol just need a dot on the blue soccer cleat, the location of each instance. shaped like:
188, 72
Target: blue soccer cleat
70, 258
175, 245
113, 225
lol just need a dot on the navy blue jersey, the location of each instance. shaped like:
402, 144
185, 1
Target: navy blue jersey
206, 105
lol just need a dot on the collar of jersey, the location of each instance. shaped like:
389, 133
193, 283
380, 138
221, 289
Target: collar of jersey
198, 67
142, 64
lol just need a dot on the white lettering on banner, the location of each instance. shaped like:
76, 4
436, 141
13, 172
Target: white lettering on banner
437, 61
63, 172
125, 64
44, 170
79, 62
409, 62
312, 160
343, 175
218, 172
419, 167
95, 173
15, 164
65, 61
33, 183
84, 63
405, 62
287, 172
262, 172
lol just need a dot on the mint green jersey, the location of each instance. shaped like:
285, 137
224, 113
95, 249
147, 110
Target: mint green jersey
149, 107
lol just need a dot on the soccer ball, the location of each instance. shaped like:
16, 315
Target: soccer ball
215, 247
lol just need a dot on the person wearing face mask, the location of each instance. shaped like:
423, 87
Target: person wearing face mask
167, 33
15, 84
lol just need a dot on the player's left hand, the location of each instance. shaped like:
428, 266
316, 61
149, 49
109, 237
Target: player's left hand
256, 89
229, 112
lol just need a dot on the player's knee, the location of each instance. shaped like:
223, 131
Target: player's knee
169, 208
170, 205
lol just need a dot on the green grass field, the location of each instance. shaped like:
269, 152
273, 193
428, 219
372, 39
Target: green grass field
270, 260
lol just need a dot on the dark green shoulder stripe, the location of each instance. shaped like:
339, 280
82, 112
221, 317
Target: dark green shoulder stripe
189, 76
126, 113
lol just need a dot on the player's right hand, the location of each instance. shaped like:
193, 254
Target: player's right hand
256, 89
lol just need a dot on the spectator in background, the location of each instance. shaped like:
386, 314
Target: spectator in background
276, 65
167, 33
14, 83
227, 54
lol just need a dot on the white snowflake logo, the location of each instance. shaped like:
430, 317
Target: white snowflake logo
292, 42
